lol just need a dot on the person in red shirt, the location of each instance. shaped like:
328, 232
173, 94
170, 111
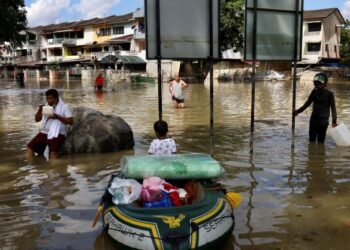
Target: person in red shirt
99, 81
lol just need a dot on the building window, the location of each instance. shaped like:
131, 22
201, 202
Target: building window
314, 27
118, 30
57, 52
105, 32
80, 34
313, 47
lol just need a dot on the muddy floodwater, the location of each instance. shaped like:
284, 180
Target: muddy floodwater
293, 199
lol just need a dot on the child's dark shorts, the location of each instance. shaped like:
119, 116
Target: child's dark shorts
40, 141
178, 100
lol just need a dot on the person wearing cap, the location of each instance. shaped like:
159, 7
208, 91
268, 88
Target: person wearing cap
323, 101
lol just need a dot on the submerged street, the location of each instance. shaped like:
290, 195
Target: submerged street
293, 199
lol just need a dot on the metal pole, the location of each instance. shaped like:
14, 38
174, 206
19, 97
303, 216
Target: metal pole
159, 66
211, 107
252, 115
296, 30
159, 61
211, 77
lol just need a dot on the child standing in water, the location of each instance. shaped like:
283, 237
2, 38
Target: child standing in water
162, 145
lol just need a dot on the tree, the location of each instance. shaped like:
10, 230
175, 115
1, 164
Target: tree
13, 20
345, 41
232, 24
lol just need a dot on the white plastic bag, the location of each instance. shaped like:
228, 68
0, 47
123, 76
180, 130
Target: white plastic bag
340, 135
124, 191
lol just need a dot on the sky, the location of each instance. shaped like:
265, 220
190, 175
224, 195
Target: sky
43, 12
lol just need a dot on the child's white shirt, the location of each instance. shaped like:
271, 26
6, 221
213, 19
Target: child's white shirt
162, 147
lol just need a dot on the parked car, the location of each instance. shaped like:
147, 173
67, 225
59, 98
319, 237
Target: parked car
269, 75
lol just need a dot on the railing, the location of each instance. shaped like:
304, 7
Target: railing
99, 55
31, 74
23, 59
70, 41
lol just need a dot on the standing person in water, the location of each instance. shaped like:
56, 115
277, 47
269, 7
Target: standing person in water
99, 82
53, 127
162, 145
176, 90
323, 101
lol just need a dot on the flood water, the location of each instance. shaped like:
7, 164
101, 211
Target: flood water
293, 199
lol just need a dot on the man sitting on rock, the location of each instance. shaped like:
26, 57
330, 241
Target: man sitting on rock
55, 116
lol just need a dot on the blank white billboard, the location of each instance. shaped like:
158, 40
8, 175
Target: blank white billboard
275, 29
184, 29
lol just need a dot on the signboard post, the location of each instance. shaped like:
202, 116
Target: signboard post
180, 30
273, 31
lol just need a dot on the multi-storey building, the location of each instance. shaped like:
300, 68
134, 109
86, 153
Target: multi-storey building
82, 41
85, 40
6, 54
93, 39
321, 36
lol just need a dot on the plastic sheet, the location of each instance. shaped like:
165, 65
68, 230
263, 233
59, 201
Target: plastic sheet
178, 166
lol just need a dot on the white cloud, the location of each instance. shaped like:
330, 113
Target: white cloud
42, 12
346, 9
94, 8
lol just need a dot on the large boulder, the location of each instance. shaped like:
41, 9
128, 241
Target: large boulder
94, 132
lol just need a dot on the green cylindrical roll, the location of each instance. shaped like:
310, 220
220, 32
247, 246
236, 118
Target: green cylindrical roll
177, 166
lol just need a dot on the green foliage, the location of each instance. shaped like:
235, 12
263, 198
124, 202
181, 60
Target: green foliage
53, 65
345, 41
232, 24
13, 19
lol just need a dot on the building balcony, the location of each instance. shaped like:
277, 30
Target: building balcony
69, 42
98, 55
54, 59
24, 59
59, 42
54, 41
71, 57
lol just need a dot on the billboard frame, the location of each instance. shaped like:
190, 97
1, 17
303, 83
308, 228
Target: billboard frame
297, 35
214, 52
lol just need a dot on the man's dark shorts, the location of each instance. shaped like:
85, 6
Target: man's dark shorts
40, 141
178, 100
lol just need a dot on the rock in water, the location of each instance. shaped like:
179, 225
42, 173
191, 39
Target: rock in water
94, 132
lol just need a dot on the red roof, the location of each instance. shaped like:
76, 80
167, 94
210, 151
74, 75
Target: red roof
126, 38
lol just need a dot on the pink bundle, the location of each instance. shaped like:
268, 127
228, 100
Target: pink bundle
151, 189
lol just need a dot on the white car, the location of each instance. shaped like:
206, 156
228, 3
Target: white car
269, 75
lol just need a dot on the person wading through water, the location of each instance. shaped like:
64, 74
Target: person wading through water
323, 101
